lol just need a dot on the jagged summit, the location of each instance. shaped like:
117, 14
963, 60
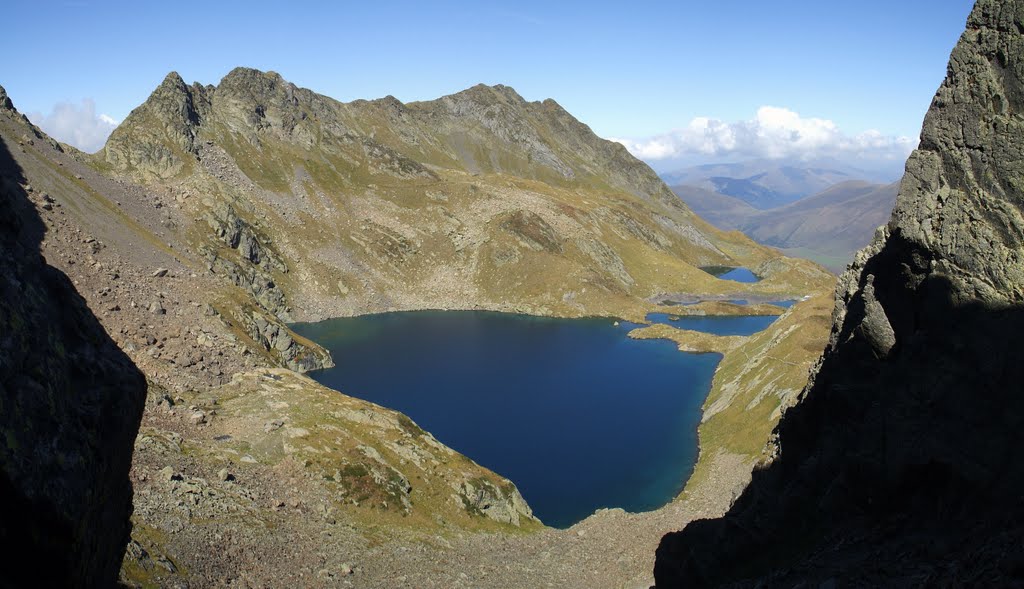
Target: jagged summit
486, 93
483, 129
478, 159
173, 80
5, 101
244, 80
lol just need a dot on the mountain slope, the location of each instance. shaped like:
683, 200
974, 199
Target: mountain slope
70, 403
124, 276
478, 199
827, 227
721, 210
839, 220
899, 466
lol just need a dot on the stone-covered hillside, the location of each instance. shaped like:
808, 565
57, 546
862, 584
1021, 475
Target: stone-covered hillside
70, 406
475, 200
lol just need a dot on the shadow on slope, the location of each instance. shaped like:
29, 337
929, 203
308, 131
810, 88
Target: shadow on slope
70, 407
901, 466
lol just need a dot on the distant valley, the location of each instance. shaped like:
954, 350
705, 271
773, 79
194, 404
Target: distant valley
822, 214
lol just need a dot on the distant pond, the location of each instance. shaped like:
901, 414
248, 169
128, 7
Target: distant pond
785, 303
575, 413
716, 324
730, 273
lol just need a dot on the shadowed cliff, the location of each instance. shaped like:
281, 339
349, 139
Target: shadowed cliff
900, 465
70, 406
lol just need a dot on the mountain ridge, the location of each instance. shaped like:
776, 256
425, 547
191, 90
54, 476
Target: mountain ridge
768, 184
296, 158
185, 106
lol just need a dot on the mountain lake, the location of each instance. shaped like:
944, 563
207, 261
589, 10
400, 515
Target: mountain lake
716, 324
576, 414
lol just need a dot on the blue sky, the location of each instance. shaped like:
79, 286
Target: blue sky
631, 71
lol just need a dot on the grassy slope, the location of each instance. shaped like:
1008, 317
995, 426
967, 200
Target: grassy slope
754, 383
328, 433
842, 218
827, 227
379, 205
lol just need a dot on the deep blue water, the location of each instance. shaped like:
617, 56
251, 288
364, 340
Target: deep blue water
734, 274
716, 324
787, 304
578, 415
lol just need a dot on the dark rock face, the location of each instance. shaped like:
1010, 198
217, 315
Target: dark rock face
70, 407
901, 464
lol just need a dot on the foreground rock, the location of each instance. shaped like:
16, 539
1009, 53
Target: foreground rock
900, 466
70, 405
295, 478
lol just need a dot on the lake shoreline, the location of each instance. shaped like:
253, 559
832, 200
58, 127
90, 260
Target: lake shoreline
594, 359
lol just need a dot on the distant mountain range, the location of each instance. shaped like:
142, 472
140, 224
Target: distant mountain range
767, 184
827, 227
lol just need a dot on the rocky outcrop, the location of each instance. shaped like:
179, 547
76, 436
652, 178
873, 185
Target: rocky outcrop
252, 279
70, 406
5, 101
237, 234
900, 465
31, 133
533, 230
501, 503
280, 341
161, 141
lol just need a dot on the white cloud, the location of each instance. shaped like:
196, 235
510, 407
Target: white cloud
773, 133
77, 125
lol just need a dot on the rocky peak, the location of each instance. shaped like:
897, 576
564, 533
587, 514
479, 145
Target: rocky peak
256, 85
508, 92
487, 95
172, 82
391, 103
5, 102
251, 103
159, 137
900, 464
179, 103
486, 104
